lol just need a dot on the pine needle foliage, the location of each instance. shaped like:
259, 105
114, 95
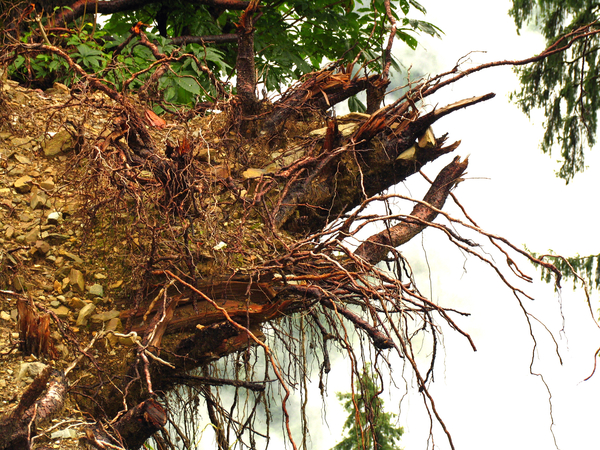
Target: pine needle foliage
565, 85
368, 426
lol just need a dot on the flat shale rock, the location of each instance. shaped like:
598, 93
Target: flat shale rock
105, 316
77, 280
62, 312
61, 142
23, 184
96, 290
85, 314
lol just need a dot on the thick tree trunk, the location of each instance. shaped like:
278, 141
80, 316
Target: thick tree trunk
245, 70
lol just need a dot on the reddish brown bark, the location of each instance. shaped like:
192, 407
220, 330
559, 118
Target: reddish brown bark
34, 330
365, 168
134, 427
245, 69
320, 91
141, 422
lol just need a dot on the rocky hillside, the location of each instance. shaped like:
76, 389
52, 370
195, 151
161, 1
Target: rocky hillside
46, 252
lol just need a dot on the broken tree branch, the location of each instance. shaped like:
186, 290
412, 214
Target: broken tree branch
377, 247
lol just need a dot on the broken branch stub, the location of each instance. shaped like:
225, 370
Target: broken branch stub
34, 330
376, 248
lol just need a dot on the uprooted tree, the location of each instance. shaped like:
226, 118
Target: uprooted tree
241, 226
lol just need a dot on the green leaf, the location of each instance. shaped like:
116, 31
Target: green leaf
404, 6
86, 51
19, 60
355, 105
170, 94
408, 39
189, 84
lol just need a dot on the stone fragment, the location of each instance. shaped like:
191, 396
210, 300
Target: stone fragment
220, 171
84, 314
106, 316
54, 218
34, 224
62, 311
5, 316
96, 290
59, 143
57, 286
57, 238
47, 184
113, 325
203, 154
63, 350
23, 185
20, 142
68, 433
42, 247
38, 200
32, 236
145, 175
76, 303
25, 217
77, 280
73, 257
19, 284
130, 340
9, 232
253, 173
15, 171
22, 159
30, 370
58, 89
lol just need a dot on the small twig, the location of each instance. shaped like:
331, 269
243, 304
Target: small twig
38, 19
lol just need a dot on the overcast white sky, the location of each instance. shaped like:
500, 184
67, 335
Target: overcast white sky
488, 399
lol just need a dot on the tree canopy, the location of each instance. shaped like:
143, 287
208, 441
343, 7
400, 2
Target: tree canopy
565, 86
